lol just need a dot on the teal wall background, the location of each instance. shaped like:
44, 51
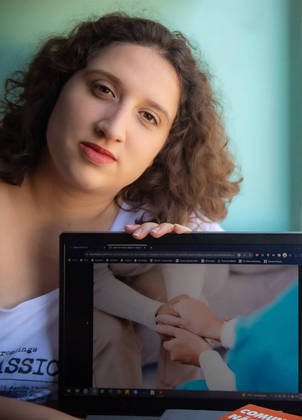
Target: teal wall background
295, 95
253, 51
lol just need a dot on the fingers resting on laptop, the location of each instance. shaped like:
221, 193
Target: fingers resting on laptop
140, 231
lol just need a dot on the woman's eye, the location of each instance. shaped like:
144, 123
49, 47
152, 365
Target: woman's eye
149, 117
102, 89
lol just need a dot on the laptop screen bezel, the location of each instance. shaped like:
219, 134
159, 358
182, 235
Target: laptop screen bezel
87, 404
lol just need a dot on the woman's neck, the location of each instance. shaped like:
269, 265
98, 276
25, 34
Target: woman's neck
60, 205
33, 216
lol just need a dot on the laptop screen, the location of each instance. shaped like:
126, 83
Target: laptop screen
200, 320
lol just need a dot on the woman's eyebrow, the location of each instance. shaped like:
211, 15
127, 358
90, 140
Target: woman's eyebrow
104, 73
118, 82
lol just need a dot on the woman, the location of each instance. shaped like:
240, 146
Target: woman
96, 135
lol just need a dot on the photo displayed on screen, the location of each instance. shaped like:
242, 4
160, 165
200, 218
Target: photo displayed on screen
235, 329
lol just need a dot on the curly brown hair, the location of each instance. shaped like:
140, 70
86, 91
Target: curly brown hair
193, 172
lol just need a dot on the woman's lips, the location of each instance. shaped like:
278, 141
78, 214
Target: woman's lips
96, 154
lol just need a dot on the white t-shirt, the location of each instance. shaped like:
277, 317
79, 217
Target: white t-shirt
29, 349
29, 339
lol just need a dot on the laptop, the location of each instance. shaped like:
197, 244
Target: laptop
111, 282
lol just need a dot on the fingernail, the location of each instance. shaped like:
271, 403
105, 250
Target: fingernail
156, 229
138, 233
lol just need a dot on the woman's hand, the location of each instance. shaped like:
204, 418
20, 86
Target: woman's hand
184, 346
193, 315
154, 229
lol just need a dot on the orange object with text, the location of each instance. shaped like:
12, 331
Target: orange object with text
254, 412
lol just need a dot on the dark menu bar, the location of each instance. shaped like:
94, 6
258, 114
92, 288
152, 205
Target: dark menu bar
144, 254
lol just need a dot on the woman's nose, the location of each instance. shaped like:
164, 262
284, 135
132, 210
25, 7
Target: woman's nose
113, 125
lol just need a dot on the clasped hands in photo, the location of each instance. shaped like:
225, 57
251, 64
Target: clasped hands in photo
185, 324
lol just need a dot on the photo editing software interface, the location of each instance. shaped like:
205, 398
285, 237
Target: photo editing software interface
145, 314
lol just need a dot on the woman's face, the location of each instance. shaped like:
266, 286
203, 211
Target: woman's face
112, 118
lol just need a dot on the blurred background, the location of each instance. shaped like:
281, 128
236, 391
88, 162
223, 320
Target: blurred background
253, 52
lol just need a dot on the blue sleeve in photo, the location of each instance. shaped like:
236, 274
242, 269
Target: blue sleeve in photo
266, 351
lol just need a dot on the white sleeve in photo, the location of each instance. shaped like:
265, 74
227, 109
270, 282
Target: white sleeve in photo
217, 374
183, 279
116, 298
